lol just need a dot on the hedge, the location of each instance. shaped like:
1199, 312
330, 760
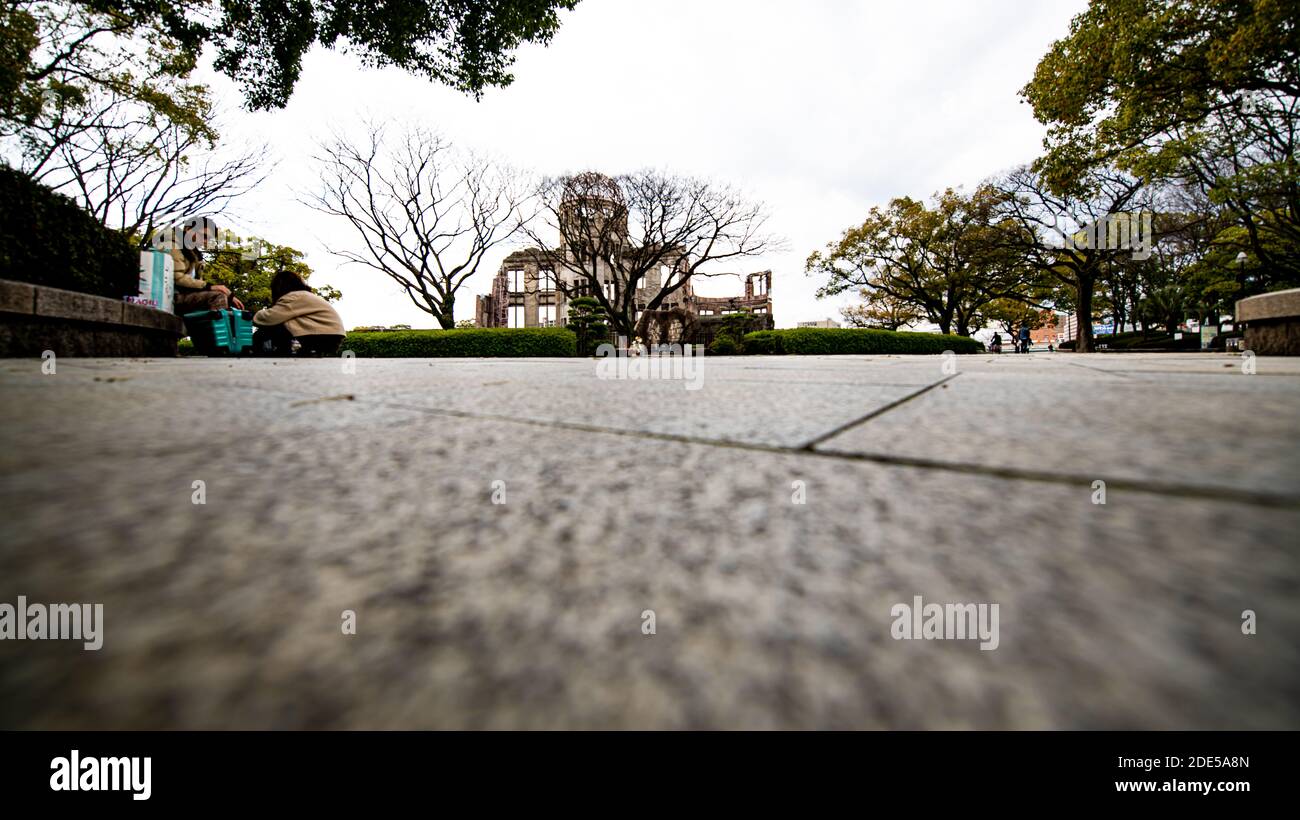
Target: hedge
820, 341
478, 342
48, 239
1136, 339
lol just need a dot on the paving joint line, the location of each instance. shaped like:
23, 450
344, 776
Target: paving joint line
1114, 373
879, 411
809, 449
1010, 473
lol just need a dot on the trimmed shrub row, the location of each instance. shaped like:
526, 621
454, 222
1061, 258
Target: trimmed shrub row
821, 341
478, 342
48, 239
1136, 339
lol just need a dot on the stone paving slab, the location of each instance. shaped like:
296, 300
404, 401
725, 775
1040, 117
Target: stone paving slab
528, 613
1208, 429
1210, 363
803, 402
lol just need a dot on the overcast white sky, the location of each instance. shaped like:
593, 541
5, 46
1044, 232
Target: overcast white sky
820, 109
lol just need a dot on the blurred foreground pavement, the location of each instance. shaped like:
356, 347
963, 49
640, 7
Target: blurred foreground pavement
374, 492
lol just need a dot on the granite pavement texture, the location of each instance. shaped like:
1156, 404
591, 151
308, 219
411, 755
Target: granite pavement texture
500, 528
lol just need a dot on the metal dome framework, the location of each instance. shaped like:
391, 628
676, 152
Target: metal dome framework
592, 187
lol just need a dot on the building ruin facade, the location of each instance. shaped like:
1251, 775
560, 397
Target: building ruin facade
533, 289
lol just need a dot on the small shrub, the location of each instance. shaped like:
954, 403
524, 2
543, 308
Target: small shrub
724, 345
818, 341
483, 342
763, 341
48, 239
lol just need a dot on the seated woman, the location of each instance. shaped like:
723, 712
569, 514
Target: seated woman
296, 313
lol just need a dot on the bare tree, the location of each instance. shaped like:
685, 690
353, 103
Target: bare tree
635, 240
426, 214
135, 169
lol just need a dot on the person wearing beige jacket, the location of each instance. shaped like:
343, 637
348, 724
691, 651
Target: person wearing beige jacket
193, 294
296, 314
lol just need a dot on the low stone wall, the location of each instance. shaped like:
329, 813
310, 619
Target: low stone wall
34, 319
1272, 323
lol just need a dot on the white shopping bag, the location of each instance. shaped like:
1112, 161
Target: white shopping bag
157, 286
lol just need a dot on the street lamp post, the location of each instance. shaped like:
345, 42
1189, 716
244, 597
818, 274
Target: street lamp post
1240, 264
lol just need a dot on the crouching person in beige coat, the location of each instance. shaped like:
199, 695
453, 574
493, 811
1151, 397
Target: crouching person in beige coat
296, 314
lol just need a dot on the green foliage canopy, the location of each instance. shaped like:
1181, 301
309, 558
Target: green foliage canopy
248, 275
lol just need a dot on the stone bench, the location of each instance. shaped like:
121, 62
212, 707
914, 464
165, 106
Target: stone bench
34, 318
1272, 322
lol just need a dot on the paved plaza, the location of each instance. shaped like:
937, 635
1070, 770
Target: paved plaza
502, 530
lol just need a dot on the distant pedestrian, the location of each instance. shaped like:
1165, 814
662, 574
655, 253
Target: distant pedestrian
1024, 339
996, 345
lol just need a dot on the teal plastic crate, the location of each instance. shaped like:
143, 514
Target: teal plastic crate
221, 332
241, 330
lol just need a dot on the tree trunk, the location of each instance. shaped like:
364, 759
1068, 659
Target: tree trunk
1083, 306
623, 327
447, 318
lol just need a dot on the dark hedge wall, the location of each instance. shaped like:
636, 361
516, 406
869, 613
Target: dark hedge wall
47, 239
466, 342
817, 341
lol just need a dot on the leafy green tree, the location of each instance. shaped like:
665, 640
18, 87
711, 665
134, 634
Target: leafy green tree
1008, 315
466, 44
946, 259
1203, 91
249, 277
588, 320
1167, 307
879, 310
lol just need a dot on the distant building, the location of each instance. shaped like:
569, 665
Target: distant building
820, 323
1052, 331
528, 292
1067, 327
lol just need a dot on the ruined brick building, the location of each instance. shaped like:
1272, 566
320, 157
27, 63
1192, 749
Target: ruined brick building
532, 290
